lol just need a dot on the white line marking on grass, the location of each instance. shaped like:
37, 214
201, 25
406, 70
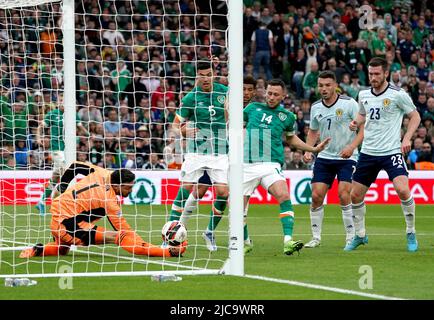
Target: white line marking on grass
369, 217
342, 234
324, 288
108, 255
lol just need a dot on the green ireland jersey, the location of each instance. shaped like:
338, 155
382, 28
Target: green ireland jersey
264, 130
206, 111
54, 121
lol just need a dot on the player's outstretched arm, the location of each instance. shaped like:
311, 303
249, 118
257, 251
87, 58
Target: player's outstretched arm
133, 243
312, 138
347, 152
411, 129
130, 241
297, 143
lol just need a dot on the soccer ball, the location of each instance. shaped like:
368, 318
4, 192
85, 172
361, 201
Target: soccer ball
174, 233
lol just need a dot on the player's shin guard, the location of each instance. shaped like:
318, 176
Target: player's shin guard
190, 206
316, 217
287, 219
359, 211
218, 208
409, 209
179, 204
347, 217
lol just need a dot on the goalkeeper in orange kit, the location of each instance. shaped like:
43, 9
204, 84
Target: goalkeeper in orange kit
77, 208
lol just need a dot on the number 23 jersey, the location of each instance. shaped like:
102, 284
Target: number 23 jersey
384, 113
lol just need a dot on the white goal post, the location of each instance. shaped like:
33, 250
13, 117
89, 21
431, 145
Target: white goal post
21, 226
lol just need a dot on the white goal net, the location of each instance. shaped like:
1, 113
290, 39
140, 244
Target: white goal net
100, 82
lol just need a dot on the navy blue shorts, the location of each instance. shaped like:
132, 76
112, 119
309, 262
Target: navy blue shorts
368, 167
205, 179
325, 170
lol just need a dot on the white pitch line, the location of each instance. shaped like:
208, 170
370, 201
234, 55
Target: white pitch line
368, 217
324, 288
342, 234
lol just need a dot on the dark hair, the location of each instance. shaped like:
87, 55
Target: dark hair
204, 65
277, 82
379, 62
122, 176
249, 80
327, 75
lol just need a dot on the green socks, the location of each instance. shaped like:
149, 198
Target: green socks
178, 204
218, 207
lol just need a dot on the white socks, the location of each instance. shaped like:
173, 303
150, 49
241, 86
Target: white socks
286, 239
347, 217
409, 209
359, 211
190, 206
316, 217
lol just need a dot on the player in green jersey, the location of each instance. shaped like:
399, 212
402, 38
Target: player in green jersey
199, 190
263, 154
203, 111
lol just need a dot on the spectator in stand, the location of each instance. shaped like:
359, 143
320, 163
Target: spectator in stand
154, 163
297, 162
90, 113
112, 126
126, 52
425, 158
392, 33
423, 134
406, 48
422, 72
421, 104
262, 49
310, 83
21, 154
415, 152
97, 151
112, 36
287, 153
429, 112
299, 67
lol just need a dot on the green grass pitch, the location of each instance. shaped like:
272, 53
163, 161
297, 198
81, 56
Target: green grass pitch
395, 272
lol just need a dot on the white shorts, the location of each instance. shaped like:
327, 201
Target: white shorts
195, 165
59, 162
261, 173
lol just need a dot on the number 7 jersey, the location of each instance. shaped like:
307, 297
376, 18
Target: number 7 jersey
333, 122
384, 113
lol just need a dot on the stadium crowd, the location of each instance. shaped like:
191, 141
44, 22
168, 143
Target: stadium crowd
136, 60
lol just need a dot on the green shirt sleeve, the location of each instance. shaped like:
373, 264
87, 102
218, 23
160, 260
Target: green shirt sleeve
187, 107
290, 124
246, 112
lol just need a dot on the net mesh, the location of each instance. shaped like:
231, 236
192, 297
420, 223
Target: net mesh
135, 60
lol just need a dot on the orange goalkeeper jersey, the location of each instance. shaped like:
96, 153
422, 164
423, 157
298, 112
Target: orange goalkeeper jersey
93, 194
